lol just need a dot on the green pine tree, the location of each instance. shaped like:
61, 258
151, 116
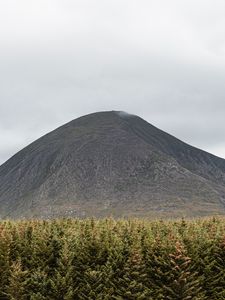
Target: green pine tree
4, 262
183, 283
133, 284
15, 289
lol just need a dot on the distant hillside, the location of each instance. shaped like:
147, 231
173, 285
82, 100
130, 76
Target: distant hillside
111, 163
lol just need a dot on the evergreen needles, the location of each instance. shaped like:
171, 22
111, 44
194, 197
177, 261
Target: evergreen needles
112, 259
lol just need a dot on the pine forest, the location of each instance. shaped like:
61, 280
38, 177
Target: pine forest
112, 259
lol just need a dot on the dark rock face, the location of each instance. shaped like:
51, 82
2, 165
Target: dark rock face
111, 163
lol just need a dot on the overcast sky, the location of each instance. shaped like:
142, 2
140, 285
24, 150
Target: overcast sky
162, 60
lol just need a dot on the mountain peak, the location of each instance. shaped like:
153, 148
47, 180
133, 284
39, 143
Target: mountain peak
111, 163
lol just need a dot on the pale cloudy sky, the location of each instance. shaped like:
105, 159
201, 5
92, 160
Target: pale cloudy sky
163, 60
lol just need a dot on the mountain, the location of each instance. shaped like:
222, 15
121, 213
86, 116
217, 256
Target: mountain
111, 163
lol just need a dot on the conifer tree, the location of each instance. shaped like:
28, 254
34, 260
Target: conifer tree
37, 285
60, 285
132, 285
184, 281
15, 289
158, 267
4, 262
212, 266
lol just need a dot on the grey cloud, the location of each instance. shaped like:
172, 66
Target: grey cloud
161, 60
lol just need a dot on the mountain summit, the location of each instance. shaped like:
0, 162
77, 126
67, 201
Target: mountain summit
111, 163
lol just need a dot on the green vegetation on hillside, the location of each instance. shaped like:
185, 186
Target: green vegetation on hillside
108, 259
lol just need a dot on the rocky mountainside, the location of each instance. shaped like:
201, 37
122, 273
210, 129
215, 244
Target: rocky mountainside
111, 163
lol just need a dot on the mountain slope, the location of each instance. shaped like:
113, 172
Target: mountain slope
111, 163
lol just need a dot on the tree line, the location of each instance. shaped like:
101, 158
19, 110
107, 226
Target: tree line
112, 259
